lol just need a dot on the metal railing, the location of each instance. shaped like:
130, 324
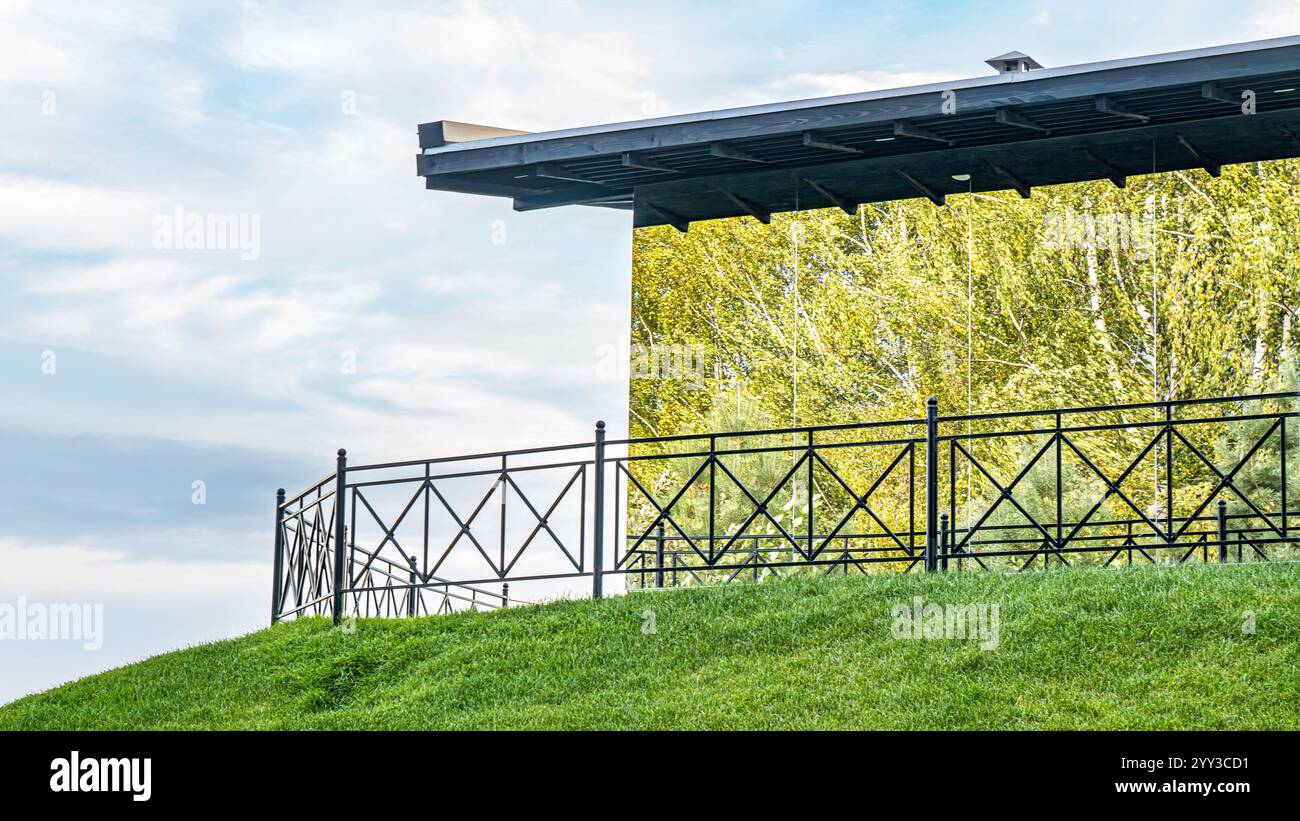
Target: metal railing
1163, 482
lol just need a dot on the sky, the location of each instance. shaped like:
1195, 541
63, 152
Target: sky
155, 395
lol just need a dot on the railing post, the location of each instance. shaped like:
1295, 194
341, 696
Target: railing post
943, 539
659, 556
277, 568
1223, 532
505, 595
340, 532
931, 484
598, 514
1286, 516
411, 609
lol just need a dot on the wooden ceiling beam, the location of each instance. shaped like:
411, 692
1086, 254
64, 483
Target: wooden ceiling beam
758, 213
902, 128
634, 159
1107, 104
1011, 117
925, 190
843, 203
1022, 188
813, 139
1117, 177
1214, 167
675, 220
727, 151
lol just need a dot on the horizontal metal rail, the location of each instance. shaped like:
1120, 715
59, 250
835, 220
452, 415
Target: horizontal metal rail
1006, 490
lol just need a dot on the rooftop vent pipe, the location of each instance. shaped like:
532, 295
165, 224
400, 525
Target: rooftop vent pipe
1013, 62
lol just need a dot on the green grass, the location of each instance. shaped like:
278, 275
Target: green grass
1107, 649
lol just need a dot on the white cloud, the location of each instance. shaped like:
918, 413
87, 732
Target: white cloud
49, 214
47, 46
807, 85
66, 572
1276, 19
142, 276
479, 60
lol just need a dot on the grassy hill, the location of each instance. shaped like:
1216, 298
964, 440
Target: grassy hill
1140, 648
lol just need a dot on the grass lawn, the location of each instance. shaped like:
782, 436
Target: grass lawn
1158, 648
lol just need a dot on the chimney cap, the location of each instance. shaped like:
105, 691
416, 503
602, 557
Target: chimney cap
1013, 62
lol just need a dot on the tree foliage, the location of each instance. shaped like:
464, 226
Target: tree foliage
1179, 286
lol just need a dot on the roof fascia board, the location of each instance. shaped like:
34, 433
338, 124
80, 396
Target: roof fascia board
1223, 63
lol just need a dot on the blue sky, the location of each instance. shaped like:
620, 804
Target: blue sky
470, 326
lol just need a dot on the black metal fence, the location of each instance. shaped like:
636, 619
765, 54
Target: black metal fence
1207, 480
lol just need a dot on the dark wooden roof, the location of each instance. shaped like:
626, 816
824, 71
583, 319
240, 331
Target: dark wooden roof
1011, 131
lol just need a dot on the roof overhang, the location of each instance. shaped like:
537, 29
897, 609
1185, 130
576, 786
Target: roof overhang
1016, 131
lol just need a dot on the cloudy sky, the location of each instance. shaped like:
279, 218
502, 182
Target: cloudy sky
133, 370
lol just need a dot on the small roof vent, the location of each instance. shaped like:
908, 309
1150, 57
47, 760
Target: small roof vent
1013, 62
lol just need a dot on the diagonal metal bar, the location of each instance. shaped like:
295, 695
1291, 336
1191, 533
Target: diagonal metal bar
665, 512
664, 516
1250, 542
388, 534
1201, 546
860, 502
543, 521
761, 507
1112, 488
1225, 481
751, 562
465, 527
1005, 492
1130, 544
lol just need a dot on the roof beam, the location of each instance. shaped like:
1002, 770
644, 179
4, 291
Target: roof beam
727, 151
1213, 91
570, 195
1290, 136
617, 205
553, 171
1119, 178
748, 207
1009, 116
843, 203
675, 220
447, 132
925, 190
470, 186
1109, 105
1213, 166
813, 139
633, 159
1022, 187
902, 128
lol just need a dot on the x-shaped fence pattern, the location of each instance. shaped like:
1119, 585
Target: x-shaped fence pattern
983, 491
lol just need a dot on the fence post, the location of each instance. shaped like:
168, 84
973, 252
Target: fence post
659, 556
1286, 516
277, 568
340, 532
411, 609
505, 595
598, 514
931, 484
1223, 531
943, 539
